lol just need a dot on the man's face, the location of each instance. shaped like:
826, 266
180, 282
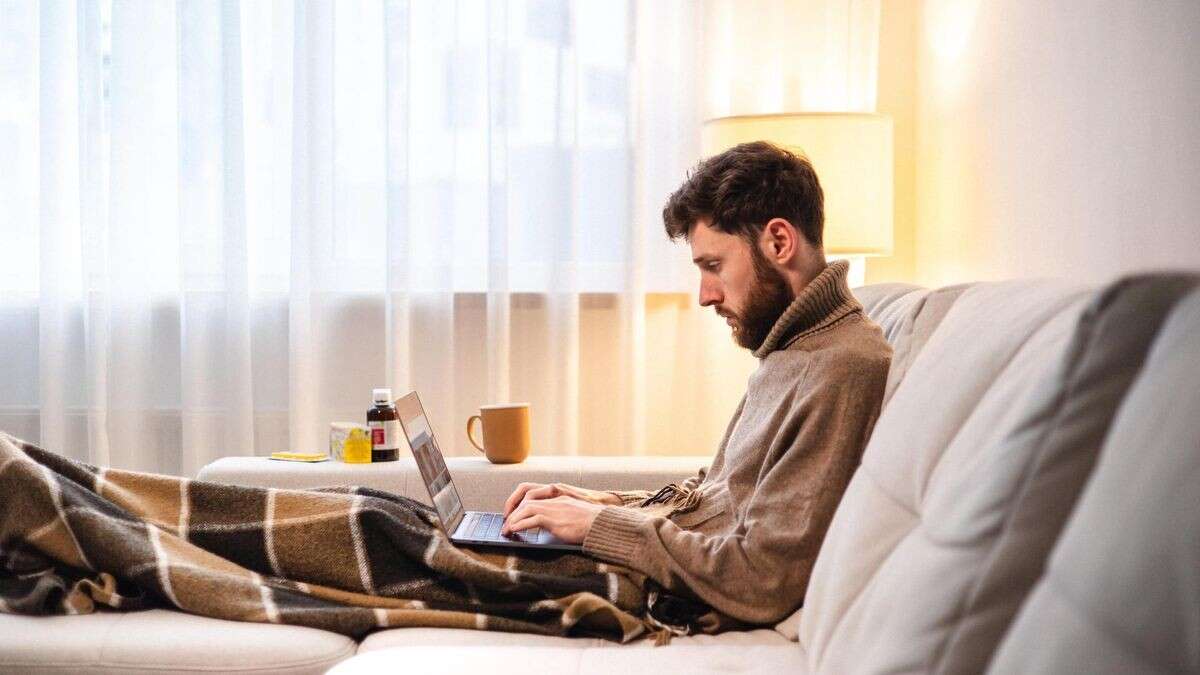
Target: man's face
740, 284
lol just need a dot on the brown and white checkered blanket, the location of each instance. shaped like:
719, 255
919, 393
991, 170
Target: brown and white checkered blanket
349, 560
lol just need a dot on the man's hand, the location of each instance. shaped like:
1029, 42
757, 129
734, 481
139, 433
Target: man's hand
528, 492
567, 518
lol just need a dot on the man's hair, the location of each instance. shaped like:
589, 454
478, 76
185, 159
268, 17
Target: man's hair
743, 188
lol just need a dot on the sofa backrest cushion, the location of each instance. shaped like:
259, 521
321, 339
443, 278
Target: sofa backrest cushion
970, 472
908, 315
889, 304
1121, 591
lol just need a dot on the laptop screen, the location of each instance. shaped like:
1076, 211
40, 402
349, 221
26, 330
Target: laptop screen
429, 459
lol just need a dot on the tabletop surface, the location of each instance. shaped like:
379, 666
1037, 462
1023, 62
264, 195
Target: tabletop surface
482, 483
535, 464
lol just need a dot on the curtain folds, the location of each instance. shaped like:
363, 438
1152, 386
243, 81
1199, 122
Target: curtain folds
247, 215
227, 221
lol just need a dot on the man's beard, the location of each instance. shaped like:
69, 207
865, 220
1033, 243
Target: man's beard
768, 298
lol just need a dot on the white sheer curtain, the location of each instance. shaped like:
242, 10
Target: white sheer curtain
223, 223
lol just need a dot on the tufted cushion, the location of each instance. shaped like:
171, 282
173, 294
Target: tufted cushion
908, 315
970, 472
1122, 588
889, 304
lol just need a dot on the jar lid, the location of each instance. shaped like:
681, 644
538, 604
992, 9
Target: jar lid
382, 395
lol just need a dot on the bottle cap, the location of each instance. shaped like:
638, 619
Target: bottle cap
382, 395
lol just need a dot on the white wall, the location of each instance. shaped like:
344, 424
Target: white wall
1056, 138
897, 98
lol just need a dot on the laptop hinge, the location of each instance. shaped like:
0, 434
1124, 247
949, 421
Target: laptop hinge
452, 526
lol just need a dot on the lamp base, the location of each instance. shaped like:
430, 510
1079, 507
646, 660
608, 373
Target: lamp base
857, 275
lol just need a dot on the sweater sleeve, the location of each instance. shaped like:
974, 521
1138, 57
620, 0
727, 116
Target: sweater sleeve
757, 569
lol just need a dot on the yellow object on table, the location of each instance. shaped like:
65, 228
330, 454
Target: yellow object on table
357, 448
338, 433
300, 456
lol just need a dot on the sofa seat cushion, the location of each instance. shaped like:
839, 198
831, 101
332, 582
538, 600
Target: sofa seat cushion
682, 656
451, 637
971, 471
163, 641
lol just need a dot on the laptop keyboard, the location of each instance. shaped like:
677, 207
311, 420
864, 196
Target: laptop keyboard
486, 527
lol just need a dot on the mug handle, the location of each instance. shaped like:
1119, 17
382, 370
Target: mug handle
470, 424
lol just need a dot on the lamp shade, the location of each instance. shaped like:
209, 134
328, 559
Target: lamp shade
852, 155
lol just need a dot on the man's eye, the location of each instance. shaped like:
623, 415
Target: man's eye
713, 266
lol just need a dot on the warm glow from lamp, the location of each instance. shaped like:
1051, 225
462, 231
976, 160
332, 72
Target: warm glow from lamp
948, 27
852, 154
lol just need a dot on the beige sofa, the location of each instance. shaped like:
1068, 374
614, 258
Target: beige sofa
1027, 503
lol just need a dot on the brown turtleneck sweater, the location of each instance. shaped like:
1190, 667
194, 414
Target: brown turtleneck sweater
743, 535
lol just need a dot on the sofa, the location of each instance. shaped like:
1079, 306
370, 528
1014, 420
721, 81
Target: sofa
1027, 503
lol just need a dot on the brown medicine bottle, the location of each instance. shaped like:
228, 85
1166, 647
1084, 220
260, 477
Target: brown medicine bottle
384, 423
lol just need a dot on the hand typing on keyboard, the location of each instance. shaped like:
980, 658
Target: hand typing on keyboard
486, 527
567, 518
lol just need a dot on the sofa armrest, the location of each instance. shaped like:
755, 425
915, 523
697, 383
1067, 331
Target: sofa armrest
482, 485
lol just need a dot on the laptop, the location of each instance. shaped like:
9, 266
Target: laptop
474, 528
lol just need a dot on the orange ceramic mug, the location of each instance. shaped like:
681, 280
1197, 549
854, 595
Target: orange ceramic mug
506, 437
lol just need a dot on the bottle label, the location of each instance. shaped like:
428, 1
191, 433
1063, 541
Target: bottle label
385, 435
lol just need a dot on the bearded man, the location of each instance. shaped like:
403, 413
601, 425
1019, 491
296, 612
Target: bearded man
742, 536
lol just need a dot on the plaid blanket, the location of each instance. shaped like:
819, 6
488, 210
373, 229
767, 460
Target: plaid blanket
349, 560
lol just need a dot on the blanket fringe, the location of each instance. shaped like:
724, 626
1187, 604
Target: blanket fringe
681, 500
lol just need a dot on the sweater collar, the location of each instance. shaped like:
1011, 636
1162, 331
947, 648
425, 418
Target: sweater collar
823, 301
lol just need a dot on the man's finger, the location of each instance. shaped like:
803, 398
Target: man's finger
540, 492
518, 496
532, 520
523, 511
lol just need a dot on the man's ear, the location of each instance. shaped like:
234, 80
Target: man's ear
779, 240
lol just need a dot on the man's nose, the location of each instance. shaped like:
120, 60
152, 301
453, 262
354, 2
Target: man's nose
709, 295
